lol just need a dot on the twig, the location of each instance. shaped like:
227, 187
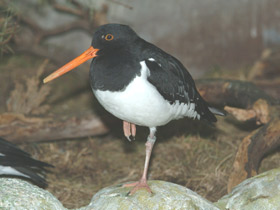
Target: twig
251, 151
32, 129
122, 4
67, 10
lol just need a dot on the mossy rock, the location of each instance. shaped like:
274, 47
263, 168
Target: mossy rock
21, 195
165, 195
259, 192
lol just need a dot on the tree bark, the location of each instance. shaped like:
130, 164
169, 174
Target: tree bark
20, 128
251, 151
234, 93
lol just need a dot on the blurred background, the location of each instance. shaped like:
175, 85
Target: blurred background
204, 35
229, 39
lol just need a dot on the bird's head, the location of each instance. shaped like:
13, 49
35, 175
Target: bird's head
112, 36
106, 38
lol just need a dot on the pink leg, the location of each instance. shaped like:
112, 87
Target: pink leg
133, 129
142, 183
129, 129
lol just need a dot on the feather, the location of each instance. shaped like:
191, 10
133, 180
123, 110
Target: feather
15, 162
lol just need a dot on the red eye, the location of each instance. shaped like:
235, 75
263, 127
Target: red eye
109, 37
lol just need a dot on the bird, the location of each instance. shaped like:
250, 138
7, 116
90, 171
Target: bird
140, 84
18, 163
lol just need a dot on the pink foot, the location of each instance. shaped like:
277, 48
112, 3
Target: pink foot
137, 186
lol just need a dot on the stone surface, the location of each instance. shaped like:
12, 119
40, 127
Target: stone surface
21, 195
259, 192
165, 195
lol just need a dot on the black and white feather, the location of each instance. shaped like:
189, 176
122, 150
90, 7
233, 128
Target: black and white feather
140, 83
15, 162
176, 85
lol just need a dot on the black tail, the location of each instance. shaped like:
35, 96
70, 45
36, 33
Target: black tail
217, 111
16, 162
205, 111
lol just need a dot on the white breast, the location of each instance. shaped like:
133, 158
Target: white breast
140, 103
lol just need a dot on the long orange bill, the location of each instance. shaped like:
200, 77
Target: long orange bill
88, 54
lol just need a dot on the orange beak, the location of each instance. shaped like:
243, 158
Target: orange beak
88, 54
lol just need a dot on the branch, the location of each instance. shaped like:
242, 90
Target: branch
31, 129
87, 21
234, 93
251, 151
259, 112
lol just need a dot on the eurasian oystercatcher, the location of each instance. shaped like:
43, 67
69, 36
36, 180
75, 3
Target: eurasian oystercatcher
15, 162
140, 84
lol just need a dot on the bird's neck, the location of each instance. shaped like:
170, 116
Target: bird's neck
113, 70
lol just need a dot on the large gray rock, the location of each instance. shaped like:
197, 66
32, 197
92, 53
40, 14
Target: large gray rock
165, 195
19, 194
261, 192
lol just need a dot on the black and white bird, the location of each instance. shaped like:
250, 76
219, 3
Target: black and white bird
15, 162
140, 84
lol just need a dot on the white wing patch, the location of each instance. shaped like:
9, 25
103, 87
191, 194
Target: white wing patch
7, 170
152, 59
180, 110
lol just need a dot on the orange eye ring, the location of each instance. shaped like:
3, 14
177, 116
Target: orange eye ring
109, 37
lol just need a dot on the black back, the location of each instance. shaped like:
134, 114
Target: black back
173, 81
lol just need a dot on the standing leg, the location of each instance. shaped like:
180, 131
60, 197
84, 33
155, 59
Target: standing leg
142, 183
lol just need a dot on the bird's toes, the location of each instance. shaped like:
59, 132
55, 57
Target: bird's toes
132, 137
128, 138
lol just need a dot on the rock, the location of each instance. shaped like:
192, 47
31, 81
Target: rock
165, 195
259, 192
19, 194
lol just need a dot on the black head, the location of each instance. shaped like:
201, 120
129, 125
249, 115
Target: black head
113, 36
107, 38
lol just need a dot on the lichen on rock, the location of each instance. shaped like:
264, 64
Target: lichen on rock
165, 195
259, 192
19, 194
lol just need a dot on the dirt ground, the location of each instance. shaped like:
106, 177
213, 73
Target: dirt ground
194, 154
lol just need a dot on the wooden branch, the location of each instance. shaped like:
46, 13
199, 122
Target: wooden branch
68, 10
20, 128
268, 83
251, 151
39, 51
234, 93
87, 21
6, 40
252, 102
41, 34
267, 67
259, 112
122, 4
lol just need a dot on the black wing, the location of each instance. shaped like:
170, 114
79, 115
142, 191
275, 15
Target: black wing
174, 83
22, 162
